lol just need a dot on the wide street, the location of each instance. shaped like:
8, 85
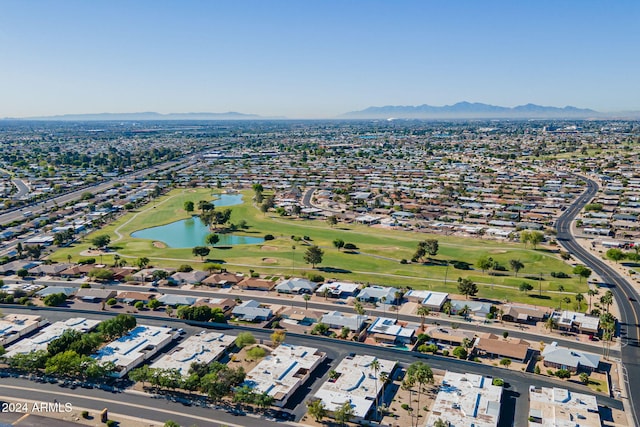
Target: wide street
625, 296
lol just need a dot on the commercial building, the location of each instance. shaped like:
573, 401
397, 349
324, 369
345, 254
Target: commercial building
356, 382
14, 326
138, 345
204, 347
51, 332
466, 400
558, 407
283, 371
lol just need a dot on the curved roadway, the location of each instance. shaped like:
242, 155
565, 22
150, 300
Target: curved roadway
625, 295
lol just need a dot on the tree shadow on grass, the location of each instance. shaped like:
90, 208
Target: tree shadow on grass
334, 270
545, 297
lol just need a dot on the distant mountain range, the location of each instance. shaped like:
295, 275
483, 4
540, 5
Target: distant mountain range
468, 110
151, 116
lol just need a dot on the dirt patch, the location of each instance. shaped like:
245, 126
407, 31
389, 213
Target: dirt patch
269, 260
497, 251
268, 248
159, 245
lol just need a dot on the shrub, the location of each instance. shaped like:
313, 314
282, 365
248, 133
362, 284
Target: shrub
405, 406
549, 371
498, 381
85, 286
403, 261
111, 423
83, 261
445, 352
563, 373
85, 414
316, 278
350, 246
461, 265
256, 353
536, 370
268, 237
559, 275
185, 268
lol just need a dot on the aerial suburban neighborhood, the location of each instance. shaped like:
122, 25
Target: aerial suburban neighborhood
325, 273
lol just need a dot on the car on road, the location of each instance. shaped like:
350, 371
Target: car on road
632, 299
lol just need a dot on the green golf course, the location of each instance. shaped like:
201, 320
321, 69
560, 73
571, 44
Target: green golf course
377, 259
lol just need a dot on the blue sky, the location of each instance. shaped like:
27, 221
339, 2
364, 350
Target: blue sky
313, 58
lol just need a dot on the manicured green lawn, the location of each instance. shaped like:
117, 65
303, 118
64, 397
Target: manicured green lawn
377, 259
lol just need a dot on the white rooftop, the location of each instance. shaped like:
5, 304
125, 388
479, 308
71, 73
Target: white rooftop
567, 318
137, 345
202, 348
347, 287
13, 326
558, 407
466, 400
356, 384
280, 373
51, 332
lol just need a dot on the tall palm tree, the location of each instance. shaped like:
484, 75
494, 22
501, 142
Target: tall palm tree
375, 366
423, 311
579, 298
551, 323
607, 299
591, 293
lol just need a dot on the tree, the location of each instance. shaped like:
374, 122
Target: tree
142, 262
278, 337
591, 293
584, 378
153, 303
332, 220
423, 311
201, 251
338, 243
102, 274
506, 362
615, 254
244, 339
525, 287
467, 288
112, 301
607, 300
101, 241
375, 367
579, 298
306, 298
484, 263
188, 206
431, 246
460, 352
447, 307
313, 256
212, 239
516, 265
551, 323
582, 271
55, 300
465, 311
418, 374
344, 413
205, 206
536, 238
316, 409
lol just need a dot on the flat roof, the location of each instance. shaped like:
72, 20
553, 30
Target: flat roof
467, 400
51, 332
136, 346
357, 384
204, 347
13, 326
558, 407
280, 373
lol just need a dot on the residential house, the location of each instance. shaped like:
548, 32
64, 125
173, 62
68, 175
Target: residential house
572, 360
296, 285
379, 294
255, 284
252, 311
494, 346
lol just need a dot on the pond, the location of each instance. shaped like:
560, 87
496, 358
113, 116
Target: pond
188, 233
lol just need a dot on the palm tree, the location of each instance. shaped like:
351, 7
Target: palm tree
607, 299
579, 298
551, 323
420, 374
383, 300
591, 293
566, 300
375, 366
447, 307
465, 311
423, 311
306, 299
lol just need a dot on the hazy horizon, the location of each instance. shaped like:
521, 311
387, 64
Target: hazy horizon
311, 59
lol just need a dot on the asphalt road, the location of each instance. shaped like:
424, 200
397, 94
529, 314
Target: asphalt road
281, 300
22, 187
621, 289
516, 392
